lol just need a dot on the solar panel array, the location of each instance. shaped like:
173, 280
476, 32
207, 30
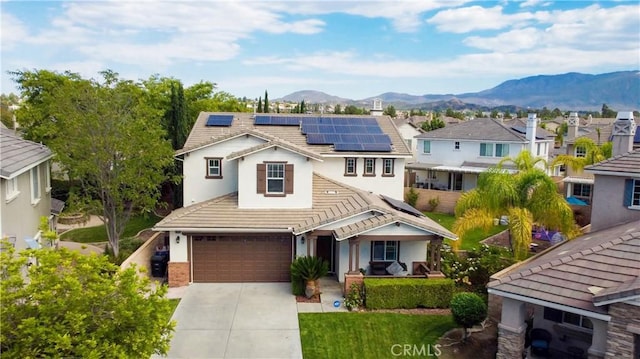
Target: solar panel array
219, 120
344, 133
401, 206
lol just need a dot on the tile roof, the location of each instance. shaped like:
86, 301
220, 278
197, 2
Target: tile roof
483, 129
570, 273
243, 123
332, 201
19, 154
627, 164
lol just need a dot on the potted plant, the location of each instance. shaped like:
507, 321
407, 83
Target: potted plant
309, 269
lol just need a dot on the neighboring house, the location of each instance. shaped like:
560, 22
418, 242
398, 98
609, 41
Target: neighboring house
25, 190
260, 190
451, 158
585, 292
410, 128
579, 184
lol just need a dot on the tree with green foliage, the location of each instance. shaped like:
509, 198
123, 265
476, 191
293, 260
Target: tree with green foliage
524, 161
607, 112
303, 107
105, 136
434, 124
337, 109
468, 309
526, 197
593, 153
352, 110
70, 305
266, 102
259, 110
390, 111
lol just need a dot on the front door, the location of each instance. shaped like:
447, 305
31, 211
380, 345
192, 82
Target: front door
325, 250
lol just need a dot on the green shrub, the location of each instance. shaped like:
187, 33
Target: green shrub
297, 285
434, 202
393, 293
412, 197
354, 299
127, 247
468, 309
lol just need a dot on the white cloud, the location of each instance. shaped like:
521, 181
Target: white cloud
514, 40
467, 19
13, 31
532, 3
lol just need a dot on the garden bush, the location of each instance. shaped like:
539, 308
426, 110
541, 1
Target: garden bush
468, 309
408, 293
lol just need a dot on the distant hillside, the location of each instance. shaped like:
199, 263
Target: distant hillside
310, 96
571, 91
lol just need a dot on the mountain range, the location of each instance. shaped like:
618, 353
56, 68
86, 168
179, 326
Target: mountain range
571, 91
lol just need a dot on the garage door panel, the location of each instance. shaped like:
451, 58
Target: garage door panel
261, 258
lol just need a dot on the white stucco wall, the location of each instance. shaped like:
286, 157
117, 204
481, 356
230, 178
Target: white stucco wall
302, 184
333, 167
19, 217
408, 133
178, 251
197, 187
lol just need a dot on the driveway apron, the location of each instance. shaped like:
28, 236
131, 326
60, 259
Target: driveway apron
236, 320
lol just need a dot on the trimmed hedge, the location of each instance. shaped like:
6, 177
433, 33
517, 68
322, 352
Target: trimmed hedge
408, 293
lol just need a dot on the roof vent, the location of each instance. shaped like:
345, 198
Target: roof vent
331, 192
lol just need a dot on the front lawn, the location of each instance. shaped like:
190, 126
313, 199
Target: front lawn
473, 238
370, 335
99, 233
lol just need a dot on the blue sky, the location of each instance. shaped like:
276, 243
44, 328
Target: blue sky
352, 49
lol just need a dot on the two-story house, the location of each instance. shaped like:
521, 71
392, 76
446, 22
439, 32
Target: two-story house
261, 189
25, 189
451, 158
585, 293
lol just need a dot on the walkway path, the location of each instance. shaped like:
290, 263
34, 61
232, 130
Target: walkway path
330, 295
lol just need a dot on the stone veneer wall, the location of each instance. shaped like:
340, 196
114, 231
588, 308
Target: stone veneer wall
510, 342
178, 274
624, 324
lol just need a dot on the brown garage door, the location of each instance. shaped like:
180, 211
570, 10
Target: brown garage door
260, 258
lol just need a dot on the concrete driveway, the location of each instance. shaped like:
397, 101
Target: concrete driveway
236, 320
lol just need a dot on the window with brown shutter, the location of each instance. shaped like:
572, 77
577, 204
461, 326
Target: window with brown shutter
274, 178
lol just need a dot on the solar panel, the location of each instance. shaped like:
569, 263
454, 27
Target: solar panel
219, 120
317, 139
346, 134
401, 206
376, 147
362, 147
343, 146
277, 120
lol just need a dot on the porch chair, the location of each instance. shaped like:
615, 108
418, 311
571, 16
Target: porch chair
540, 340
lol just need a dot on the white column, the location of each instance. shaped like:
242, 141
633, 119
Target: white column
598, 346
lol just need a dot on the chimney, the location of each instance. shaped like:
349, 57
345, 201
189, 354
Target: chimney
624, 129
572, 123
532, 126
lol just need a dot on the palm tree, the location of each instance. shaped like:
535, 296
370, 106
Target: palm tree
594, 153
528, 197
524, 161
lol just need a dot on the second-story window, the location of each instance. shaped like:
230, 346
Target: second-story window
35, 185
632, 193
275, 178
426, 147
387, 167
502, 149
350, 168
486, 149
214, 167
12, 189
369, 167
456, 145
581, 151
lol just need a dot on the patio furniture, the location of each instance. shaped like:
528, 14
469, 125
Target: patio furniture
540, 340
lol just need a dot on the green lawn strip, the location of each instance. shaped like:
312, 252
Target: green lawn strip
174, 303
368, 335
473, 238
99, 233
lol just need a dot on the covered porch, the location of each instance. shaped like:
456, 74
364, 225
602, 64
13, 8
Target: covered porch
549, 330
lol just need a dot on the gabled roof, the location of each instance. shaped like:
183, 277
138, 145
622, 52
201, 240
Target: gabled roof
332, 202
275, 143
19, 155
575, 272
482, 129
623, 165
243, 123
